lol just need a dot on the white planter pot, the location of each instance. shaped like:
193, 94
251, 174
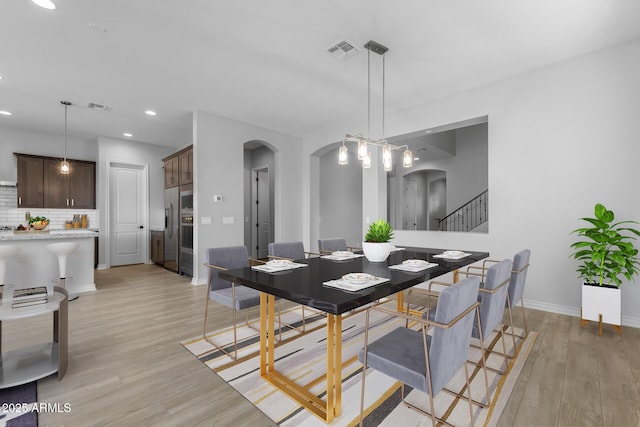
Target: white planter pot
376, 252
597, 300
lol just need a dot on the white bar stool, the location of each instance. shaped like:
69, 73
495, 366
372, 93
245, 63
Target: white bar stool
62, 251
6, 252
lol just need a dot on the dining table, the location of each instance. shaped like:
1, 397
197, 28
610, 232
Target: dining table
313, 285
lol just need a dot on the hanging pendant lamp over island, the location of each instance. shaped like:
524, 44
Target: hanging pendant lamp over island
64, 166
363, 142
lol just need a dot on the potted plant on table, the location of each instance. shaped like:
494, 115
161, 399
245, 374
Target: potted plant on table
376, 245
607, 254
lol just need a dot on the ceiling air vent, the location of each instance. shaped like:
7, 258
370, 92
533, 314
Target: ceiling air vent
101, 107
342, 49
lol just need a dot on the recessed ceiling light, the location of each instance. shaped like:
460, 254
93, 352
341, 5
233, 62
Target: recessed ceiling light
127, 134
150, 113
5, 113
0, 77
47, 4
415, 159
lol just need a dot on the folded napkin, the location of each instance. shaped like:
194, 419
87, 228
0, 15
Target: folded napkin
413, 268
352, 287
341, 257
276, 268
452, 255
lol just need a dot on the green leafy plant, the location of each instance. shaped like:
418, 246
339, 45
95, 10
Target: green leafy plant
38, 219
607, 253
379, 231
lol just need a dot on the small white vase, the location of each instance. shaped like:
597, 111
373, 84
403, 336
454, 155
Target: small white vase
376, 252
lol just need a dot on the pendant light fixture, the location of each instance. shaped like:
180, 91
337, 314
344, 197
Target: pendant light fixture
363, 143
64, 166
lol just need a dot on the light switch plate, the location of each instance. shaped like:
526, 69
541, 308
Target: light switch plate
228, 220
205, 220
217, 198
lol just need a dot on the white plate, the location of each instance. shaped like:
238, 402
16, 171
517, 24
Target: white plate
279, 262
342, 253
415, 262
357, 278
453, 254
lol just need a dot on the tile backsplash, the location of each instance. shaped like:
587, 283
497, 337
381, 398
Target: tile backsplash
11, 215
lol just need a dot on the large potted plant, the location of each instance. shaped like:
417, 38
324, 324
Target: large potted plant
376, 245
607, 255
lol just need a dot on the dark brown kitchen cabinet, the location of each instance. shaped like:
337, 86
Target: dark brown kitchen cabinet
41, 185
30, 182
186, 166
157, 246
75, 190
171, 166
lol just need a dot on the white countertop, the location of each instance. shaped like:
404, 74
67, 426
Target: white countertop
52, 234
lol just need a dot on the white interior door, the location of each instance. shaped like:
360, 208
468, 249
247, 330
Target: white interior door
263, 213
126, 215
409, 205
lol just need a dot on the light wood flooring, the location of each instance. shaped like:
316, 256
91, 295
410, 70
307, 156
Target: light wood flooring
127, 368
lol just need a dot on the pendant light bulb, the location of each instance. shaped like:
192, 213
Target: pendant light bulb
343, 155
362, 149
366, 162
407, 159
64, 167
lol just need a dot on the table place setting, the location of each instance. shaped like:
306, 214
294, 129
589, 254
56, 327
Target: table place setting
452, 255
354, 282
413, 265
277, 265
341, 256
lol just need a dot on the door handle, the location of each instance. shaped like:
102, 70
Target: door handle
141, 227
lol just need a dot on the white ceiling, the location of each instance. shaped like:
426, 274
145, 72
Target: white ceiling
265, 62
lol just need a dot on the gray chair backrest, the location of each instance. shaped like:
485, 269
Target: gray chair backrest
518, 275
291, 250
449, 347
331, 245
229, 257
492, 304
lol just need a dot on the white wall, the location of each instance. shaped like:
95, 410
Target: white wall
561, 138
340, 194
219, 169
116, 150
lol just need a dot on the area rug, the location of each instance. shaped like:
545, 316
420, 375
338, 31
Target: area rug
301, 357
16, 406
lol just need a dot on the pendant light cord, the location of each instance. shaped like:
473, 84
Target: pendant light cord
65, 131
368, 93
383, 91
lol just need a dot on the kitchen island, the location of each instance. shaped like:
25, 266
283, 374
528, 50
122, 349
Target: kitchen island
34, 265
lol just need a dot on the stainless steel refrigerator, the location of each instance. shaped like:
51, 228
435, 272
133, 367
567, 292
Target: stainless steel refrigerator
171, 227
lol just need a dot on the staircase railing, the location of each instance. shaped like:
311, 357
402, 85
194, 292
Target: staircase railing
468, 216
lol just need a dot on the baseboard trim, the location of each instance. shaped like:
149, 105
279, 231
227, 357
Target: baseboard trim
89, 287
102, 267
634, 322
198, 282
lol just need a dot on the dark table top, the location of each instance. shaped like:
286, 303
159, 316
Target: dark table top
305, 285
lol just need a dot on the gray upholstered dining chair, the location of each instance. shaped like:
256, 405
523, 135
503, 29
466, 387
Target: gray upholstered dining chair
236, 297
427, 362
290, 250
516, 284
327, 246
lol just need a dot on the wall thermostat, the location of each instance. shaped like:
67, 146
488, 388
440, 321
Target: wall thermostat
217, 198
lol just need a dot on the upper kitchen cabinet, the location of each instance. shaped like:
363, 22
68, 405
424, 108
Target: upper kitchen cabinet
178, 168
171, 171
75, 190
186, 166
30, 182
